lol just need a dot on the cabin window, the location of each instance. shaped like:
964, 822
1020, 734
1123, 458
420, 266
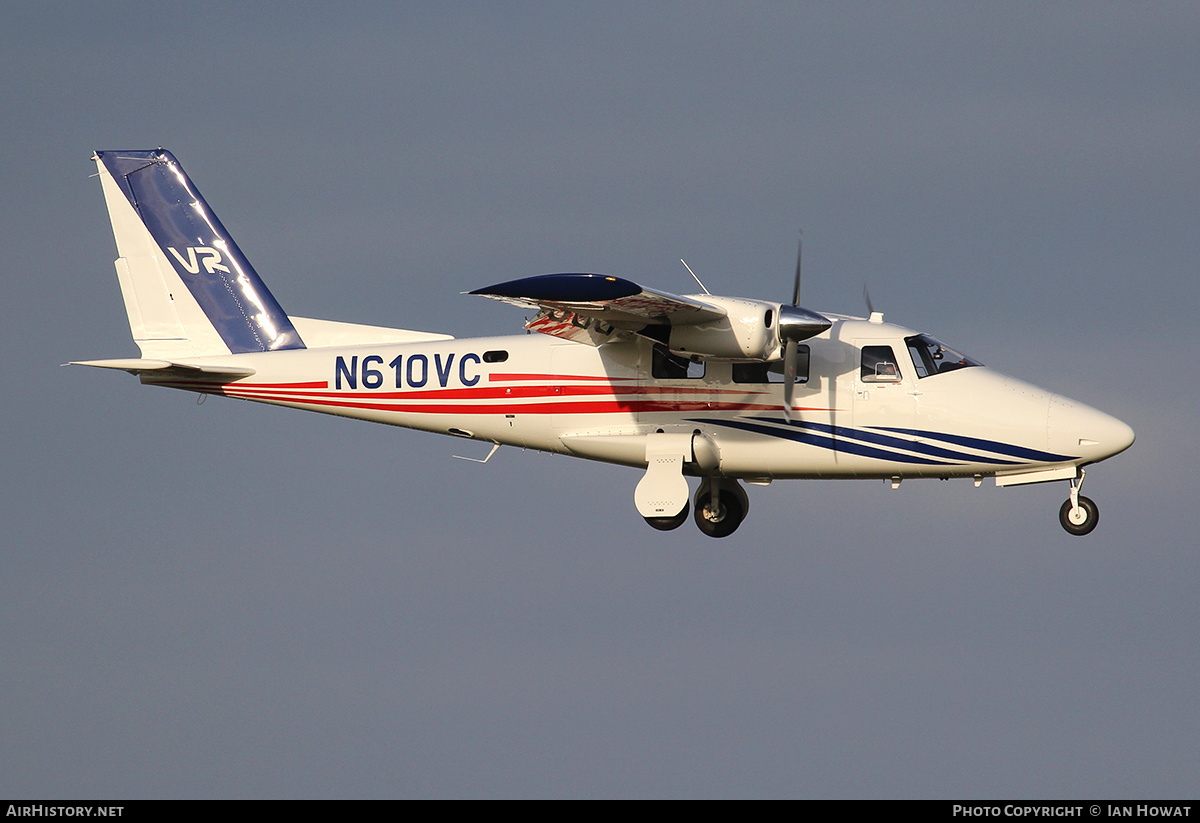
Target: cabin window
879, 365
497, 356
667, 366
771, 371
931, 357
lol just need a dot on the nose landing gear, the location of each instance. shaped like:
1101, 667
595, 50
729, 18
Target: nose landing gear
1079, 514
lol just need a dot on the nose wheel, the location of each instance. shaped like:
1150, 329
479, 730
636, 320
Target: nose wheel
1079, 519
1079, 514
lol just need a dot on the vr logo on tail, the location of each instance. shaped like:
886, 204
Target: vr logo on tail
212, 259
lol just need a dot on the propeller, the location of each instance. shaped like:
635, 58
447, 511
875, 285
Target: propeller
796, 324
872, 315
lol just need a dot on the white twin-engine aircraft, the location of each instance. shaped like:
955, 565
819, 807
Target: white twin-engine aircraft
723, 389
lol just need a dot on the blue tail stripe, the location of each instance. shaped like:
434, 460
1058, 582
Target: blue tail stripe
192, 239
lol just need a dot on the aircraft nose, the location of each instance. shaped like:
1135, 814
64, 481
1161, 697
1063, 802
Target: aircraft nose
1078, 429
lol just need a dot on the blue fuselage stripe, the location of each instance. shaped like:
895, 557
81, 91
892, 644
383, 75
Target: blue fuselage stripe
854, 441
898, 443
821, 441
985, 445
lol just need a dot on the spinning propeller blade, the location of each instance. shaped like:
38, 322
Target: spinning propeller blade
796, 324
799, 258
789, 376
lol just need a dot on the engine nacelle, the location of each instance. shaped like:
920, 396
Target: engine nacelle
747, 333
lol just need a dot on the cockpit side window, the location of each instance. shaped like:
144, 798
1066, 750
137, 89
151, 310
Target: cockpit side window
932, 357
879, 365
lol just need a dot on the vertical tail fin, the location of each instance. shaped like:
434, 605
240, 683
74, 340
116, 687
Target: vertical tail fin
188, 288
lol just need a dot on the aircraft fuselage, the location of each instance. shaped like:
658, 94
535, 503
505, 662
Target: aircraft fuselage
542, 393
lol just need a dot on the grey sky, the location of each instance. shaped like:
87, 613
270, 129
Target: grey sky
235, 600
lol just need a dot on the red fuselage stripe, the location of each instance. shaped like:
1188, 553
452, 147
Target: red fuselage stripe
496, 377
582, 407
491, 393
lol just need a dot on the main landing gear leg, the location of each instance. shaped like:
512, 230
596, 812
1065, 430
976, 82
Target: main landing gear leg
1079, 515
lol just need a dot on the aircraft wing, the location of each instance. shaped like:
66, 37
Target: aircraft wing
588, 308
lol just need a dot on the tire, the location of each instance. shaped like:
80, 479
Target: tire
731, 514
1083, 520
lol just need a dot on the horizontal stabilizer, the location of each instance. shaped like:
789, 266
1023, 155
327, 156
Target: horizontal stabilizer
166, 368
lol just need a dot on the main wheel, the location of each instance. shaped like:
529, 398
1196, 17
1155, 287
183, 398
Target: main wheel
665, 524
1081, 520
723, 519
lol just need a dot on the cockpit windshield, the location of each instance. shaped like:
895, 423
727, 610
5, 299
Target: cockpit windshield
931, 356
